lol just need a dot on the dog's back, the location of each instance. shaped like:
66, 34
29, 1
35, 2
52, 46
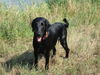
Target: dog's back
58, 27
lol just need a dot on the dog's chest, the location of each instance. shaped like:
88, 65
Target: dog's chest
44, 47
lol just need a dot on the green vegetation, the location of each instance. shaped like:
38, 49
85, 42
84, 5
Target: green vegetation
83, 38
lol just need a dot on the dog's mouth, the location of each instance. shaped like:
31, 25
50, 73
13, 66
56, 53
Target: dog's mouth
39, 39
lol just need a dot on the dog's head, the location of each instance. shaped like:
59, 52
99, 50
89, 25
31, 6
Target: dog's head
40, 26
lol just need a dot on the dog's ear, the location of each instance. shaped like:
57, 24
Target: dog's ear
47, 24
33, 25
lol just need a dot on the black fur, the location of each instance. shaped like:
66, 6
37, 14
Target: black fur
46, 36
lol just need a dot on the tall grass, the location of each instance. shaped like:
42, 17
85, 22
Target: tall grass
83, 37
15, 23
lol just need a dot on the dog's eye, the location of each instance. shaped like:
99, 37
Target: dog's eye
42, 24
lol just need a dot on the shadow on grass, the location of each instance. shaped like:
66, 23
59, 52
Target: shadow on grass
23, 60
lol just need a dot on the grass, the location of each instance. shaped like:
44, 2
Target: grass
83, 39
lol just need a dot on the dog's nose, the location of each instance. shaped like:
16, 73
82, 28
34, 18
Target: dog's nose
39, 34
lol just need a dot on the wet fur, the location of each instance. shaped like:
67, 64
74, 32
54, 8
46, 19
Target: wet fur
58, 30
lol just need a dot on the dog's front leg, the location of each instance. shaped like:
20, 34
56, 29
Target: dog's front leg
36, 59
47, 55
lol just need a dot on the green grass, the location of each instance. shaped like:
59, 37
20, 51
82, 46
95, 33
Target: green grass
83, 38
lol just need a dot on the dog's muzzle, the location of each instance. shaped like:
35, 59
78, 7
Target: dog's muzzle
39, 39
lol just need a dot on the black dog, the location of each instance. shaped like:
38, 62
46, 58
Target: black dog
46, 36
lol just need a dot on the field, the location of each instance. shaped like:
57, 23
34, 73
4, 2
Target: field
16, 50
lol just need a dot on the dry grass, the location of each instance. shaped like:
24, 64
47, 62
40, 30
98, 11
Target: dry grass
84, 56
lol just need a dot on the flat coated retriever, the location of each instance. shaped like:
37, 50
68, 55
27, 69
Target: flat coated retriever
46, 36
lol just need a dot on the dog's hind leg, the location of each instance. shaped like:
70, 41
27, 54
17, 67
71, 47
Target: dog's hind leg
64, 44
54, 52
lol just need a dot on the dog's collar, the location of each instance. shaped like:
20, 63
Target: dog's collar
45, 36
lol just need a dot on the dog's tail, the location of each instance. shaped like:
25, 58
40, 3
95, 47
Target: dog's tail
65, 20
